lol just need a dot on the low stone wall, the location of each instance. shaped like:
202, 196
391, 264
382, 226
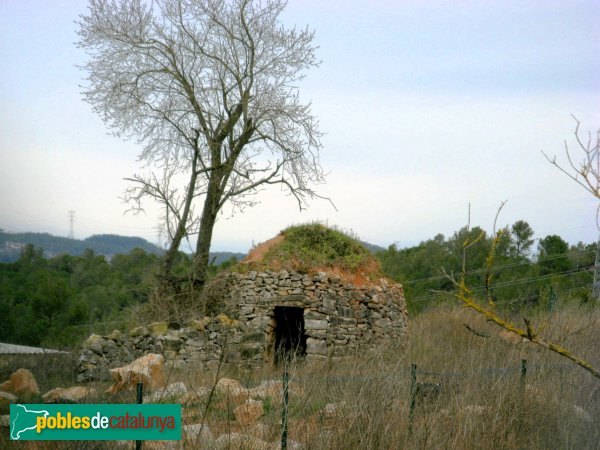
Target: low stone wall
339, 319
201, 342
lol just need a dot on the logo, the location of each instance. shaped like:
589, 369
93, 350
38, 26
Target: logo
95, 422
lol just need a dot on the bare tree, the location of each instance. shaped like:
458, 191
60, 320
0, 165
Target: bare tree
209, 88
585, 168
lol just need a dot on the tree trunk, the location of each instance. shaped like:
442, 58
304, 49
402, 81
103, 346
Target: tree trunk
207, 224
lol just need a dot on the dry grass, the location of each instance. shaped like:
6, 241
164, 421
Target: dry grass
470, 394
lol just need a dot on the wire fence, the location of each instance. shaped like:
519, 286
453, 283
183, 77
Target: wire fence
417, 379
411, 381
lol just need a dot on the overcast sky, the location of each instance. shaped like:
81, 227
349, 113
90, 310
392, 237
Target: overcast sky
427, 106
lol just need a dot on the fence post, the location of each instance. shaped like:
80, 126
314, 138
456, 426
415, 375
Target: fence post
413, 395
140, 398
551, 299
284, 412
523, 371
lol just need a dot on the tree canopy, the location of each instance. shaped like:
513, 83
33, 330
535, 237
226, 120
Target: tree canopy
57, 301
519, 277
210, 89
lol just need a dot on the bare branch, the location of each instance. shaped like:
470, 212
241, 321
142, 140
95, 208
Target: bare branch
209, 89
586, 171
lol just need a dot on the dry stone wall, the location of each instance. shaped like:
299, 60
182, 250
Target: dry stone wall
339, 319
200, 342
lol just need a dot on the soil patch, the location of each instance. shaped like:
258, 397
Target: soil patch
258, 253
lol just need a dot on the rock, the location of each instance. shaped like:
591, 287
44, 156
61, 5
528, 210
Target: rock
171, 343
199, 345
316, 324
94, 342
248, 412
321, 276
158, 328
173, 393
189, 334
6, 398
227, 321
199, 324
91, 367
197, 433
233, 389
21, 383
196, 396
225, 385
273, 389
109, 347
73, 394
316, 346
139, 331
116, 335
5, 421
269, 388
241, 441
148, 370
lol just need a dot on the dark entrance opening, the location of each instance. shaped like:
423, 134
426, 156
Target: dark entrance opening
290, 340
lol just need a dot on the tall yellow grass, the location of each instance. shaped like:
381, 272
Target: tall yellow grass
471, 392
470, 395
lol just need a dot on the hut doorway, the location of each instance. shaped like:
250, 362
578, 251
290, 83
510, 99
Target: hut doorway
290, 338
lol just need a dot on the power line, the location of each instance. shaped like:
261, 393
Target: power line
533, 297
504, 266
507, 283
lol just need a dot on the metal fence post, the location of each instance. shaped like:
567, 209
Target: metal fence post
551, 299
140, 398
284, 412
413, 395
523, 371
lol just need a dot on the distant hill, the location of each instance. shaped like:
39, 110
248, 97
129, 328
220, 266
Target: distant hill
111, 244
217, 258
372, 247
102, 244
11, 245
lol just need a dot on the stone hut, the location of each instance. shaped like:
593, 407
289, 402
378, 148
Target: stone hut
313, 316
311, 293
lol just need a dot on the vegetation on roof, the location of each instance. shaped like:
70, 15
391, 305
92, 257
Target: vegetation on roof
309, 246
